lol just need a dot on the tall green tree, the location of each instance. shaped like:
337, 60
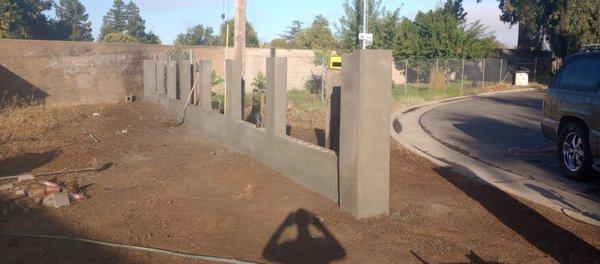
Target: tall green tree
455, 9
251, 36
564, 24
572, 23
115, 21
318, 36
292, 33
73, 19
136, 26
196, 35
24, 19
351, 22
437, 34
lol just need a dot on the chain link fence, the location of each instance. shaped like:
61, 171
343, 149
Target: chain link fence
422, 80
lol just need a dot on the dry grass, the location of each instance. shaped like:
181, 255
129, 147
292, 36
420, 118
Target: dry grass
24, 129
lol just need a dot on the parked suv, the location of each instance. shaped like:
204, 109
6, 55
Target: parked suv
571, 114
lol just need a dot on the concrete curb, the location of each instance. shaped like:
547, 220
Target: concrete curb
467, 169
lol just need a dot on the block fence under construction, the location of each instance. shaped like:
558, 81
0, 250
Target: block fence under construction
357, 177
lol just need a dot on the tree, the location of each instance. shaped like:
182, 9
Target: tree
196, 35
280, 43
151, 38
351, 22
292, 33
573, 23
136, 26
73, 19
317, 37
385, 30
117, 37
251, 36
436, 34
24, 19
455, 9
115, 21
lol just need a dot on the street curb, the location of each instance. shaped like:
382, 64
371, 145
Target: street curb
576, 216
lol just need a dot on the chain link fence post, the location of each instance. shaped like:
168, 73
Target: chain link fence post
483, 77
500, 76
535, 63
406, 76
462, 76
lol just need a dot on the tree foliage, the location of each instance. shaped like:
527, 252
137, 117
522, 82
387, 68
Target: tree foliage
251, 36
436, 34
292, 33
196, 35
117, 37
351, 22
317, 37
136, 26
126, 20
455, 9
115, 21
564, 24
72, 21
23, 19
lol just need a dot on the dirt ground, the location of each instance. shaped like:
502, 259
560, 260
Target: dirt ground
169, 187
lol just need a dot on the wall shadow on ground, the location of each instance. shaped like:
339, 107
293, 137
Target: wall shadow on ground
16, 91
306, 248
23, 163
551, 239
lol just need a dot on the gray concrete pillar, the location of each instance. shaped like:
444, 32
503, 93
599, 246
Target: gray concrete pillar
172, 79
185, 80
364, 155
275, 121
149, 78
234, 90
204, 85
161, 77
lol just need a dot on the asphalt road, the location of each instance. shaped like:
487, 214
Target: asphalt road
504, 131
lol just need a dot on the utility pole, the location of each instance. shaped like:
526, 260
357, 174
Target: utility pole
240, 33
365, 21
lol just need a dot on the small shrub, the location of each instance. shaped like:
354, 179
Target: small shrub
437, 79
177, 52
313, 84
259, 83
215, 79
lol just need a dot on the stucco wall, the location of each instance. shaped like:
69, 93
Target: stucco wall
63, 72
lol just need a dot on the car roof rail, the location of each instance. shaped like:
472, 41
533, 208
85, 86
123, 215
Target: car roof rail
590, 48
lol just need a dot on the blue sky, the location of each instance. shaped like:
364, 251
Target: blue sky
167, 18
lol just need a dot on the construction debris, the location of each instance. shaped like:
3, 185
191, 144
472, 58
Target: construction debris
7, 186
57, 200
92, 136
23, 177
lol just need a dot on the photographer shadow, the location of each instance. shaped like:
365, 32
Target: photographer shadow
305, 248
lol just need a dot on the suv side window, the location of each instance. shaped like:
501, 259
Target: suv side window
581, 73
568, 76
589, 74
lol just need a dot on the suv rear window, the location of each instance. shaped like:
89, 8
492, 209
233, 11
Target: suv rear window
582, 73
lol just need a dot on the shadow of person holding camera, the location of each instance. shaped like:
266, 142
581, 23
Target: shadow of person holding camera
306, 248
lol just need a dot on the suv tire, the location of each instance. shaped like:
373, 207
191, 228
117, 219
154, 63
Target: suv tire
574, 155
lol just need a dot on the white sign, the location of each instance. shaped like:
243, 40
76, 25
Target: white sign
365, 36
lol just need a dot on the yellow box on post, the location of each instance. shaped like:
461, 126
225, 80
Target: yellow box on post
335, 62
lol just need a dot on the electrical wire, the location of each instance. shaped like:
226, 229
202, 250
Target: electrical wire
132, 247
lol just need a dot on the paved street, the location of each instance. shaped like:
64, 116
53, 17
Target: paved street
504, 131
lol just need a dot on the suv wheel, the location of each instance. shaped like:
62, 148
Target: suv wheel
574, 154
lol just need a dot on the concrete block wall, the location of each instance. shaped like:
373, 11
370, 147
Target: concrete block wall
292, 157
357, 177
